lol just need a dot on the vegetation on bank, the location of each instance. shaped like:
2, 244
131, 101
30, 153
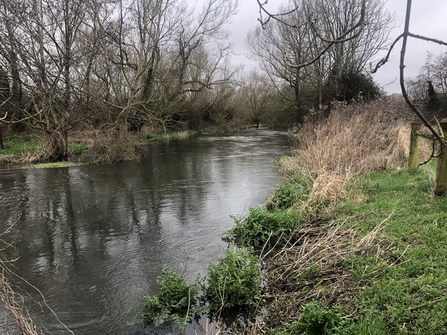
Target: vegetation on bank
232, 282
84, 148
351, 242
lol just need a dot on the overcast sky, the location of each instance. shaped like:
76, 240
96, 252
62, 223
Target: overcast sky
429, 18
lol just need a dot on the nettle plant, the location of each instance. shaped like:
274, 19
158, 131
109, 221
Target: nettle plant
233, 282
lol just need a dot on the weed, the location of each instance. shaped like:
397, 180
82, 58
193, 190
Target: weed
261, 226
234, 281
174, 302
315, 321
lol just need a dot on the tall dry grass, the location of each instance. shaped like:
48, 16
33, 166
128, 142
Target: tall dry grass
351, 140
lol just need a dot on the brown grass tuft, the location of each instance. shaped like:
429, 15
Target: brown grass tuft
328, 186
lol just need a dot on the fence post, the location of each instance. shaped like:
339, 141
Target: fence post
414, 146
441, 167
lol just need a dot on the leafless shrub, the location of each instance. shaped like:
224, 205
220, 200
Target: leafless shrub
13, 302
114, 145
14, 305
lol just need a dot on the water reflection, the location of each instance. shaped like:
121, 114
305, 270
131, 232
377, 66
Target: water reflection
93, 239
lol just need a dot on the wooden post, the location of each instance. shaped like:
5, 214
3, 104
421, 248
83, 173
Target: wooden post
441, 167
414, 146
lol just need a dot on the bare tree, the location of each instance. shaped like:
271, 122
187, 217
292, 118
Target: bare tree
258, 96
317, 47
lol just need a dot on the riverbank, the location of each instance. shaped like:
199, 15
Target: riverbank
366, 253
371, 263
84, 147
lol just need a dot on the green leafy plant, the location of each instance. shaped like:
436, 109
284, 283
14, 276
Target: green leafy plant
175, 301
261, 226
234, 281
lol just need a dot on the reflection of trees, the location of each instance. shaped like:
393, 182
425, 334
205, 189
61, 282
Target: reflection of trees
99, 234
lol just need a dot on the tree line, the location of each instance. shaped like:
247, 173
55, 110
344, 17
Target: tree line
167, 63
121, 62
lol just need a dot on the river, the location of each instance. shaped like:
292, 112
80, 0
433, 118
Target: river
93, 239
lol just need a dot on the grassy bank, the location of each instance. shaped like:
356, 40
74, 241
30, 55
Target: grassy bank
373, 263
25, 150
351, 242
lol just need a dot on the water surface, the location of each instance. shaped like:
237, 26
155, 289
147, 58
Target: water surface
93, 239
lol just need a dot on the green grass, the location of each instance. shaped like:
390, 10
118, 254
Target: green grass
400, 283
19, 145
405, 291
77, 149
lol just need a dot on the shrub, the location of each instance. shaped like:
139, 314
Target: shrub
174, 302
261, 226
114, 145
234, 281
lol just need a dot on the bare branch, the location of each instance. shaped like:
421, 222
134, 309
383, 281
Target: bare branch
413, 107
428, 39
349, 34
383, 61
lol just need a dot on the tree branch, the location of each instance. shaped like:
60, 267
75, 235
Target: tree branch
413, 107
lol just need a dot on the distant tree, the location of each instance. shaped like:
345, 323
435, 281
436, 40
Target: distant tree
433, 101
321, 48
258, 97
352, 87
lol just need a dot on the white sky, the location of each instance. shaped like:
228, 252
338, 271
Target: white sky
429, 18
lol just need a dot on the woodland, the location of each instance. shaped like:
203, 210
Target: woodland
107, 69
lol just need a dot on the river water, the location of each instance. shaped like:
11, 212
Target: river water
93, 239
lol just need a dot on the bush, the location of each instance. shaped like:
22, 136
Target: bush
114, 145
234, 281
174, 302
261, 226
